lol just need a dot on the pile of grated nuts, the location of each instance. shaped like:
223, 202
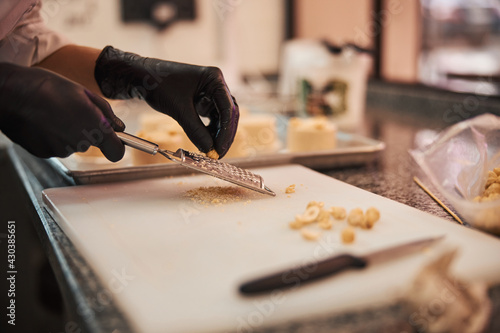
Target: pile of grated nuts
316, 213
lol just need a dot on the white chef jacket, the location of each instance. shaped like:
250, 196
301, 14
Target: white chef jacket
24, 38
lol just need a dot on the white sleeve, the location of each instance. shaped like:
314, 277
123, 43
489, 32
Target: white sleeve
30, 41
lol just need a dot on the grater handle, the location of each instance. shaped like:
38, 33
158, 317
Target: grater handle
138, 143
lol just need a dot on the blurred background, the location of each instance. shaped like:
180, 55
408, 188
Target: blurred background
451, 44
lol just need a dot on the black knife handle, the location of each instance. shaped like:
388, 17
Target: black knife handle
295, 277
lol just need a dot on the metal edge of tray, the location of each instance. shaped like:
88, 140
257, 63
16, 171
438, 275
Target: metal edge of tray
342, 157
366, 152
61, 169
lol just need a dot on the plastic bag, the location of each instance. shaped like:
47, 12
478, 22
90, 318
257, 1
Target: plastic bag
457, 164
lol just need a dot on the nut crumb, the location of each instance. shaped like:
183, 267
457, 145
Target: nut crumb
372, 215
309, 215
356, 217
338, 213
325, 224
213, 154
295, 224
320, 204
309, 234
290, 189
348, 235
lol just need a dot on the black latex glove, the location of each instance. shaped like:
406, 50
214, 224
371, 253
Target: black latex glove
49, 115
184, 92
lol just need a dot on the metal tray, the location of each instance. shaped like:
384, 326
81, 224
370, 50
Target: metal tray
352, 150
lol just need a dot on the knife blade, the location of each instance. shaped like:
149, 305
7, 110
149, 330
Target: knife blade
299, 275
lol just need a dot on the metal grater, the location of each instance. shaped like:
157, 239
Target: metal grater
224, 171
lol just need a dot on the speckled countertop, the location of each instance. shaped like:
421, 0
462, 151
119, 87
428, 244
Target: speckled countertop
394, 115
391, 175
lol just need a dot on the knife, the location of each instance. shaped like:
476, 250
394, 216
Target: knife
299, 275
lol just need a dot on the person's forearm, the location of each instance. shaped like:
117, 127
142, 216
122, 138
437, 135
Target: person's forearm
76, 63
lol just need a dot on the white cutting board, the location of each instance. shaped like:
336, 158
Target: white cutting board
183, 262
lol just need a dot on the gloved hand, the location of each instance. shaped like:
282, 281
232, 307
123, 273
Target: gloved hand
184, 92
49, 115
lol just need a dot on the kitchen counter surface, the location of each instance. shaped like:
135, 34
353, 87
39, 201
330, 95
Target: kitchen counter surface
394, 115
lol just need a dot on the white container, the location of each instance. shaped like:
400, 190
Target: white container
324, 83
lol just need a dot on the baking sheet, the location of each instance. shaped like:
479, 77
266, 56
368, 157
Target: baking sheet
352, 150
